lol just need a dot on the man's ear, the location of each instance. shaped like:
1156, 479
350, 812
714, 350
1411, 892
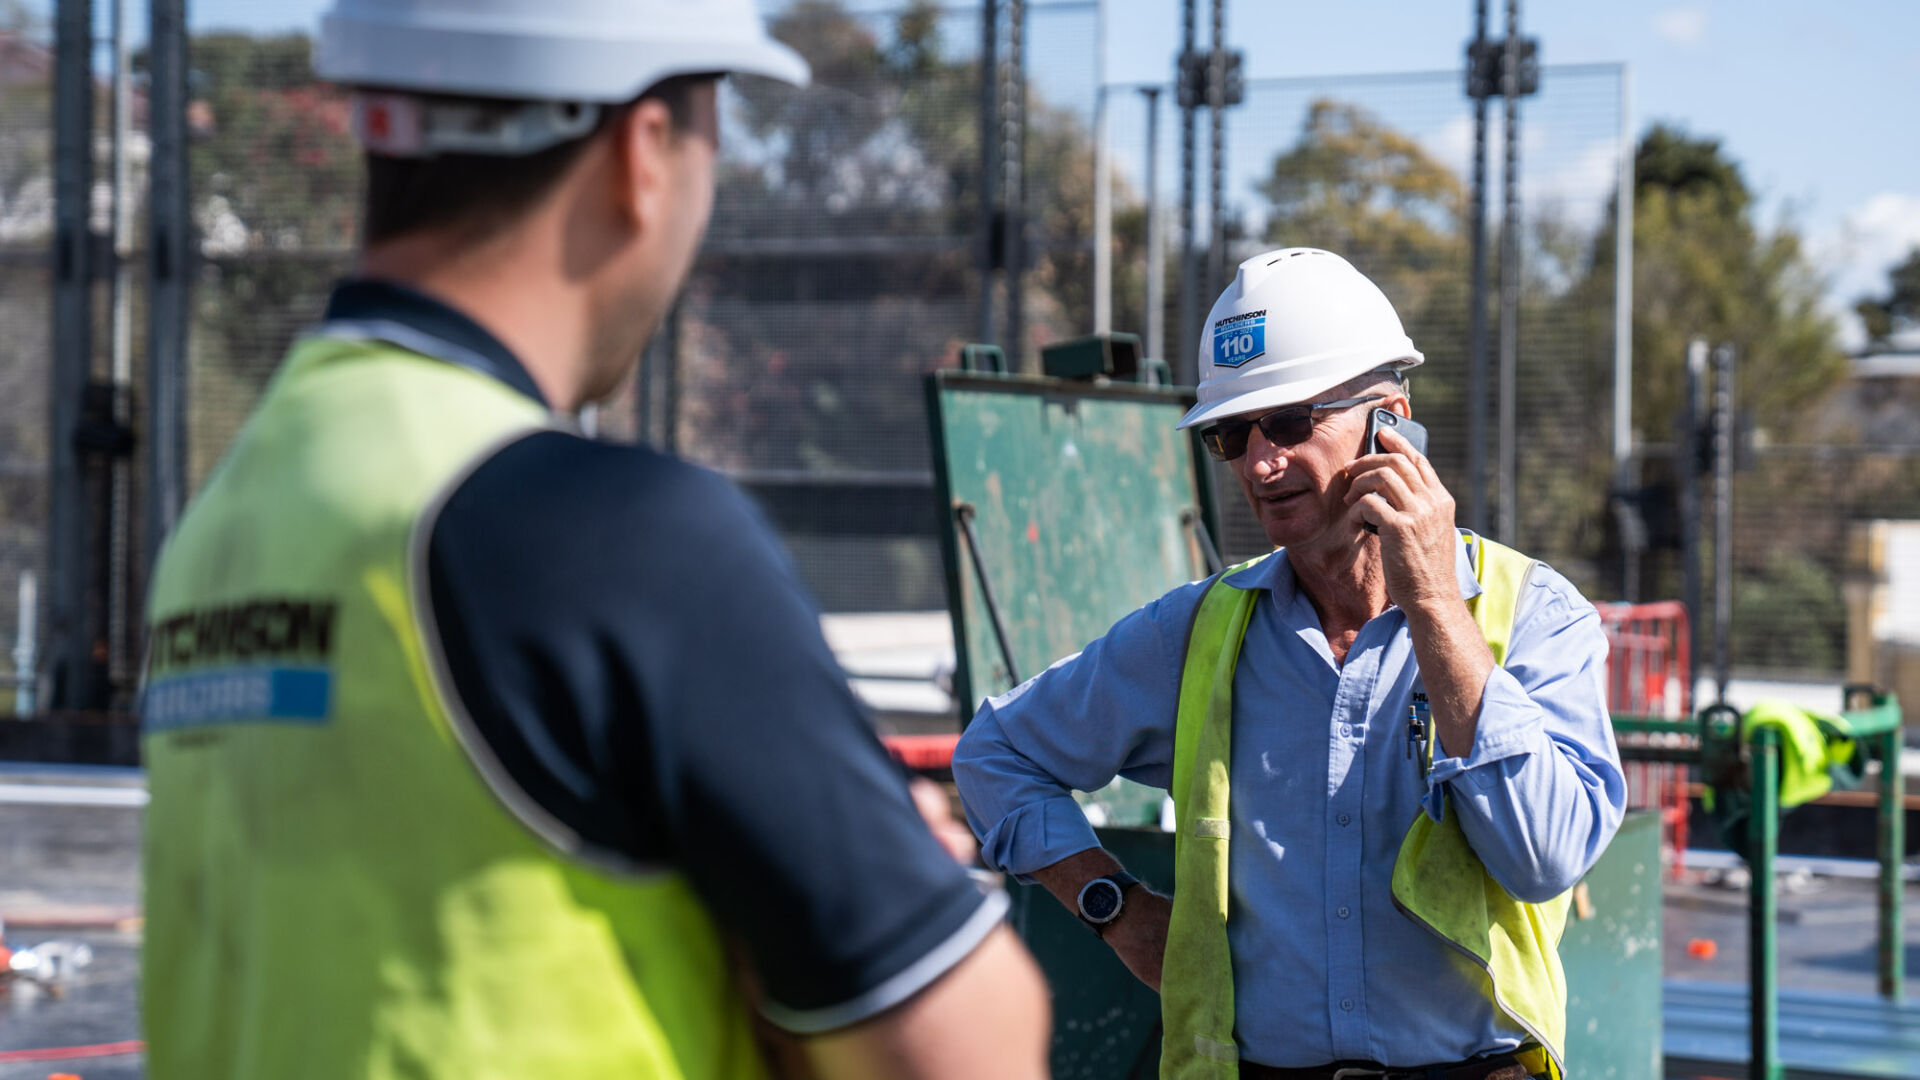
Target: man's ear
642, 139
1398, 403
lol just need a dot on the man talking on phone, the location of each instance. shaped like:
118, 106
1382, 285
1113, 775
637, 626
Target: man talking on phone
1387, 740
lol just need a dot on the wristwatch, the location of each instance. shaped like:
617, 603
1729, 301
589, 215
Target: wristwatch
1102, 899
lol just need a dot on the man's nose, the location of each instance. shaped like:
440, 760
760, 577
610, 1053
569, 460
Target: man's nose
1264, 458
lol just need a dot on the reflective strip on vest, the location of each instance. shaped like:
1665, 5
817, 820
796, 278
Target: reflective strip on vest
1438, 881
333, 888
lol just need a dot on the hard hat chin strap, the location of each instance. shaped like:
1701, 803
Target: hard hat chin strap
410, 126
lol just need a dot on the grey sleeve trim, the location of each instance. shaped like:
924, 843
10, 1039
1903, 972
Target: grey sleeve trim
917, 977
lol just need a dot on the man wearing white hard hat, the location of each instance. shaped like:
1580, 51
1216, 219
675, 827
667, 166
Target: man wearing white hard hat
1386, 742
481, 749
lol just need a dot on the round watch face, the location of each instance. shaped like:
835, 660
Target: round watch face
1100, 900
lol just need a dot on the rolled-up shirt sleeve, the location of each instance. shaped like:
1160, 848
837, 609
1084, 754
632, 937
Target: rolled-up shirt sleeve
1106, 711
1541, 792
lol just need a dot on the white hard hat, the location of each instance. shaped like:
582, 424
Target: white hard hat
1294, 323
572, 52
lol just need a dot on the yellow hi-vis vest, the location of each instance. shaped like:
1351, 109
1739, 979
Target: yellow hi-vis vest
332, 887
1438, 881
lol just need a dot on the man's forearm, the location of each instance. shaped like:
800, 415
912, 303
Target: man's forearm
1454, 665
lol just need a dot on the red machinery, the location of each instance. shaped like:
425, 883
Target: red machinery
1647, 677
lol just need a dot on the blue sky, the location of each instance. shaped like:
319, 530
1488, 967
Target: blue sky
1814, 99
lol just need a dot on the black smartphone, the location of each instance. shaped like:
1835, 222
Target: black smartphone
1410, 430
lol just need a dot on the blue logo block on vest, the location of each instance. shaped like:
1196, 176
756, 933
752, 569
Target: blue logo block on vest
237, 695
1237, 341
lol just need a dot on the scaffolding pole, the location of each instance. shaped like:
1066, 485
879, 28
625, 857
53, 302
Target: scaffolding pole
170, 256
78, 679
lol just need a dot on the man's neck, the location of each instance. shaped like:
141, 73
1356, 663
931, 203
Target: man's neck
537, 315
1346, 583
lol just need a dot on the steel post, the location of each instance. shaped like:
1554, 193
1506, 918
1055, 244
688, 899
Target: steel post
1723, 358
1686, 468
1625, 477
987, 228
1186, 371
169, 270
1893, 845
1763, 839
1216, 153
122, 606
1156, 235
1477, 307
1102, 180
1623, 292
25, 666
78, 674
1507, 528
1013, 179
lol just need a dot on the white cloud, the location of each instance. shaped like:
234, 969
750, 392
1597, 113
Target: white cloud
1684, 24
1452, 143
1857, 254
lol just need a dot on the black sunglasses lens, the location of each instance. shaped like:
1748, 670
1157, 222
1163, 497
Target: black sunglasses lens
1287, 427
1226, 440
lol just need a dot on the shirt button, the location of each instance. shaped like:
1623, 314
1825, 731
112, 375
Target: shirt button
1345, 819
1347, 1004
1342, 912
1346, 731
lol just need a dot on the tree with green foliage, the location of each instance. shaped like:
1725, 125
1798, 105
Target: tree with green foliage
1898, 310
276, 195
1354, 185
869, 178
1704, 268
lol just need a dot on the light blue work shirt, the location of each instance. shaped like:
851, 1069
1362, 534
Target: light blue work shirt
1325, 968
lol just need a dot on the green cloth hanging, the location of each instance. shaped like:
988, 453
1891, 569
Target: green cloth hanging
1817, 755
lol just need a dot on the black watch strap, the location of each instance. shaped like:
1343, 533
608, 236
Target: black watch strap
1121, 880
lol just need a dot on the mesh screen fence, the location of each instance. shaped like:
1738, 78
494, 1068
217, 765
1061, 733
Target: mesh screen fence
840, 268
1379, 169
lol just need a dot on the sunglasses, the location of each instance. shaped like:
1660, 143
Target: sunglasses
1290, 426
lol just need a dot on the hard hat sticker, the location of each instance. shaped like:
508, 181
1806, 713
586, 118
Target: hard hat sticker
1239, 339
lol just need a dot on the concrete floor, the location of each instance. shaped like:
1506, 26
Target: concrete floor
80, 863
71, 864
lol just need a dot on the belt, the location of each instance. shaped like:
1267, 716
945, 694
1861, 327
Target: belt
1500, 1067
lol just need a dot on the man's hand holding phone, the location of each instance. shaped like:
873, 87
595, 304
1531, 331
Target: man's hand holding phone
1395, 492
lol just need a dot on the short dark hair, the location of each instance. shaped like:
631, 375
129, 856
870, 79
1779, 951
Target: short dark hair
479, 194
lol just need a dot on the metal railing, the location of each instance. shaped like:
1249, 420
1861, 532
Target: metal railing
1729, 757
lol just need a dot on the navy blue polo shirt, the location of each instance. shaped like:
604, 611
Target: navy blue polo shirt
634, 647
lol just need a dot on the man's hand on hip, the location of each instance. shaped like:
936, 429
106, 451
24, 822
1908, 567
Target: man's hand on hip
1139, 935
1399, 494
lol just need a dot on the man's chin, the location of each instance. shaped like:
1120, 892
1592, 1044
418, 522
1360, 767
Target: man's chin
1288, 526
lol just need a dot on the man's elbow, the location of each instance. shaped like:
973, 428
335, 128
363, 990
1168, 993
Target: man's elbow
1540, 888
1548, 874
